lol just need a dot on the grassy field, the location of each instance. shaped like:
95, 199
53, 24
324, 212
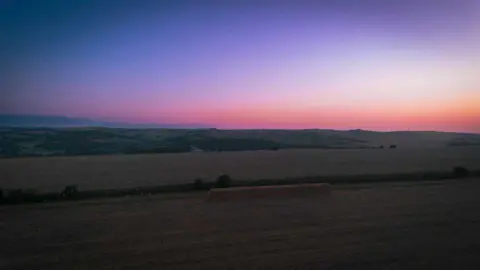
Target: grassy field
28, 142
128, 171
374, 226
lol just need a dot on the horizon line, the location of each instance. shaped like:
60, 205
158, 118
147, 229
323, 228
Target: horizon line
200, 126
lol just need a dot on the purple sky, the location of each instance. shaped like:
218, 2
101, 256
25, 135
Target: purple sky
410, 64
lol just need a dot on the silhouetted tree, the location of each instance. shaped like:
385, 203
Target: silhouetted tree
198, 184
223, 181
460, 172
70, 192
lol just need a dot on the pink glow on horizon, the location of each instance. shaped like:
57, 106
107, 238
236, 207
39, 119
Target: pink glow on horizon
460, 115
379, 65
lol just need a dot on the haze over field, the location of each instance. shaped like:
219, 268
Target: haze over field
344, 64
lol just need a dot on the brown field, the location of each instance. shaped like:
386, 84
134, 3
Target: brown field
369, 226
126, 171
268, 192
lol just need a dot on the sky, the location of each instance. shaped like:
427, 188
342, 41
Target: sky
338, 64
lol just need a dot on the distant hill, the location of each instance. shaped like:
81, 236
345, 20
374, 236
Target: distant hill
30, 121
81, 139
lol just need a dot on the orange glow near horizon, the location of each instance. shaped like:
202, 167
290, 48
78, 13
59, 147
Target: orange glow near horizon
461, 114
295, 65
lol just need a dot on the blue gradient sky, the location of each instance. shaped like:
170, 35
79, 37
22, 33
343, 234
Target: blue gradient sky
373, 64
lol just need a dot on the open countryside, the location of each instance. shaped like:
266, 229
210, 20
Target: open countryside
28, 142
368, 226
130, 171
239, 135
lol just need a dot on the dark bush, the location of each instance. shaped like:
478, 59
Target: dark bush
198, 184
70, 192
16, 195
223, 181
381, 147
460, 171
2, 195
393, 146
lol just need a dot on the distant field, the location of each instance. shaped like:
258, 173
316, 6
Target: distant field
127, 171
34, 142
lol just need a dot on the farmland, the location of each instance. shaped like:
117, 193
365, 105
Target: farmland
379, 226
128, 171
28, 142
395, 225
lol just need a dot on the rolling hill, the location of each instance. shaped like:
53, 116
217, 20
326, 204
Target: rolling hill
19, 142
